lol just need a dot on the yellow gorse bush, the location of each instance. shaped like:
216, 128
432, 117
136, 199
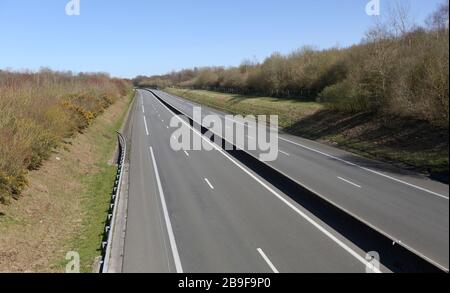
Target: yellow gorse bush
38, 111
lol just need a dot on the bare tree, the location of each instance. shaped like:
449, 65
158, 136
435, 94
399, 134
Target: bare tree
399, 18
439, 19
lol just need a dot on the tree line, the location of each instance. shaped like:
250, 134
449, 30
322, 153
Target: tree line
398, 68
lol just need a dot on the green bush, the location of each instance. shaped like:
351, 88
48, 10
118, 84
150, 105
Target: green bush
345, 97
397, 71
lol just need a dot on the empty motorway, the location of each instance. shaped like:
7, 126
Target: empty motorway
205, 211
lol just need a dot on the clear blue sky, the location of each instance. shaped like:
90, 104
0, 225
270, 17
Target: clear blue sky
127, 38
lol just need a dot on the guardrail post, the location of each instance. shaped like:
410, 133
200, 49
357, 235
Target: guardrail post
110, 222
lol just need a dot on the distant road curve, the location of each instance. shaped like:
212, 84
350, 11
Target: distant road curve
203, 211
410, 209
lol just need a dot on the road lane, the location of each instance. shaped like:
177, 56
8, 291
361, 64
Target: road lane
403, 209
221, 229
146, 244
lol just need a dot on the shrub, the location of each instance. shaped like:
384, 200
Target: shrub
39, 110
344, 96
397, 68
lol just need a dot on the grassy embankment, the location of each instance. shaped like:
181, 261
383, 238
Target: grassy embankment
63, 205
385, 98
408, 143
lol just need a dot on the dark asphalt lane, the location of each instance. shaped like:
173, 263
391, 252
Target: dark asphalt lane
221, 217
408, 208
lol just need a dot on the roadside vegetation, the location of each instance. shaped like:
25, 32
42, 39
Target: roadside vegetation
97, 184
385, 98
40, 112
289, 110
408, 143
64, 205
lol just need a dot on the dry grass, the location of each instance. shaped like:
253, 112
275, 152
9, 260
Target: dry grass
408, 143
288, 110
40, 111
62, 204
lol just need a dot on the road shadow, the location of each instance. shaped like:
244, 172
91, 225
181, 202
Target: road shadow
391, 143
241, 98
393, 256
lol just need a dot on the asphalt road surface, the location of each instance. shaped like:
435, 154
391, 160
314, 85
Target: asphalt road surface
203, 211
408, 208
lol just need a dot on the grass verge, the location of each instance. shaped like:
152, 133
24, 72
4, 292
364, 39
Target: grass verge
407, 143
288, 110
64, 207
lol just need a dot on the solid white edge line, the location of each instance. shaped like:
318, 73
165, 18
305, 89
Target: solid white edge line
349, 182
356, 165
293, 207
209, 183
143, 110
366, 169
267, 260
173, 244
442, 267
145, 123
